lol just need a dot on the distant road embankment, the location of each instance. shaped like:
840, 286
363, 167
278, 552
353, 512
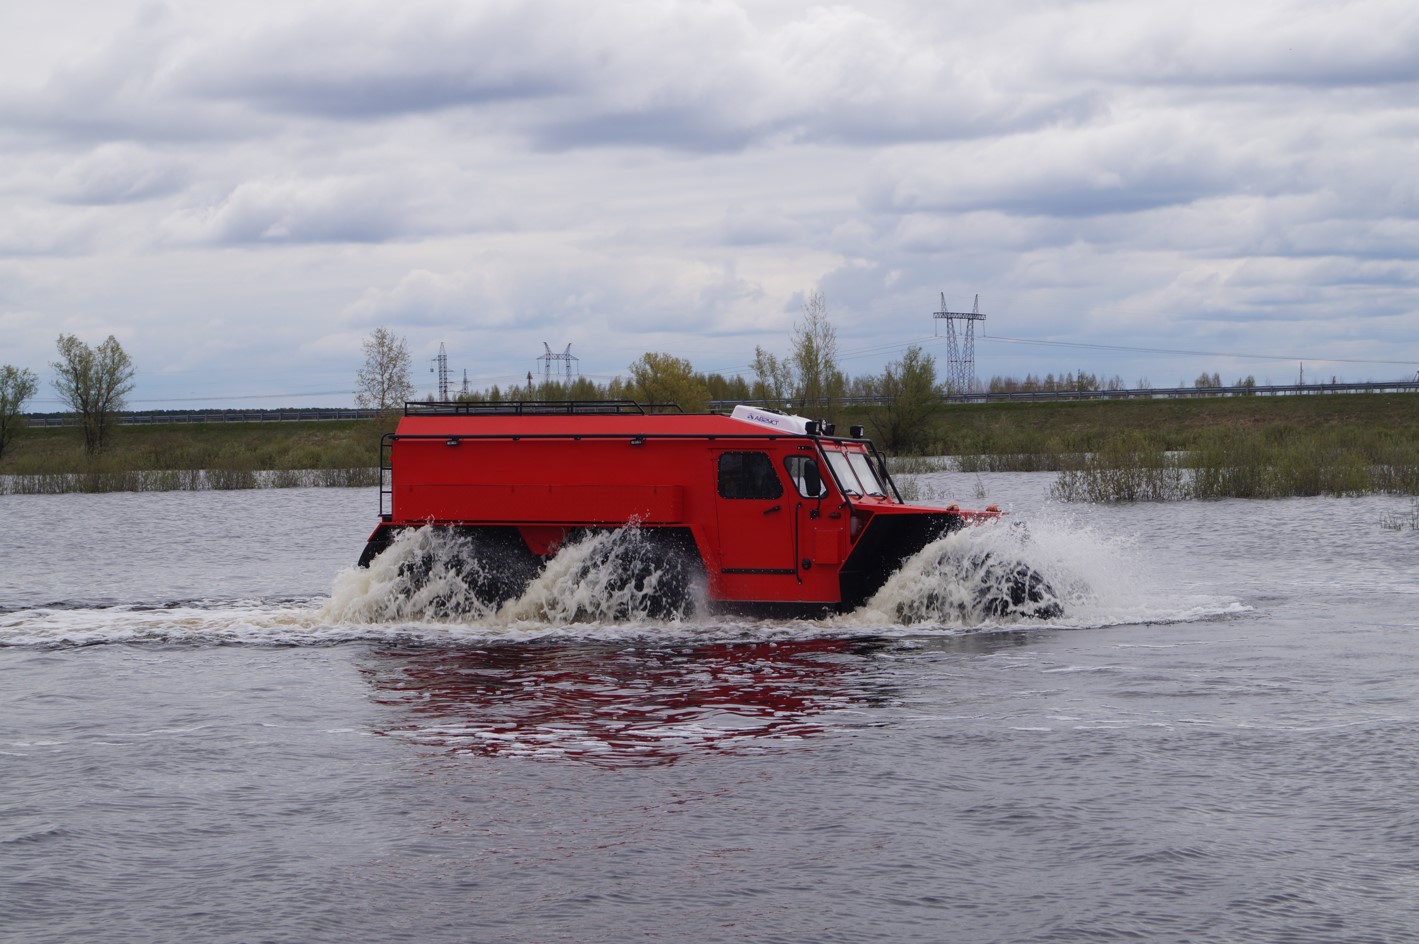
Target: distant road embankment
1191, 392
208, 416
1176, 393
1154, 393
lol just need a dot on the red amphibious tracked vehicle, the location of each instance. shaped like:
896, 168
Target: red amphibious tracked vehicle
756, 511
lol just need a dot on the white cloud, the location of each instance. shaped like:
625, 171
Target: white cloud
1307, 43
328, 209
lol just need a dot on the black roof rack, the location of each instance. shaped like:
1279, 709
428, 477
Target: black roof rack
531, 407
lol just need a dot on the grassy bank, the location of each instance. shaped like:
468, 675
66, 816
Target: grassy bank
196, 456
1051, 430
1103, 451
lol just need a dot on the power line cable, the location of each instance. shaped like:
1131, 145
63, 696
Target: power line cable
1158, 350
1080, 345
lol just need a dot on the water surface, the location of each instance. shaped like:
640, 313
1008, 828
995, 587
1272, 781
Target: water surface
207, 733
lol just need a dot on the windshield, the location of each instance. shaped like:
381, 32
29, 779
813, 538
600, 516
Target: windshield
867, 475
842, 470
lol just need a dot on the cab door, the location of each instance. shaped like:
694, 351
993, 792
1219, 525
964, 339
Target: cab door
756, 517
821, 534
817, 535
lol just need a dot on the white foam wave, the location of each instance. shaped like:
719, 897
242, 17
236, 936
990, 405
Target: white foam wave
417, 593
236, 622
432, 575
1098, 580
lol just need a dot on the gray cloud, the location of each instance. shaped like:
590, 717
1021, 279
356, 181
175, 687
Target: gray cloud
697, 77
120, 173
627, 176
296, 210
366, 61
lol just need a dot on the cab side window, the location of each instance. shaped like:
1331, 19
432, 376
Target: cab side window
803, 472
748, 475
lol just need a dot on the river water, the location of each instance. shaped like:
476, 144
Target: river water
212, 730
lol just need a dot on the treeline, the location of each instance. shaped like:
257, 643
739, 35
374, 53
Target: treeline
907, 390
807, 380
1084, 382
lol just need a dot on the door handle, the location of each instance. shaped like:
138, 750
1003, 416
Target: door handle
769, 511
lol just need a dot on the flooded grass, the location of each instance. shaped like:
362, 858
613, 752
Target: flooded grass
185, 480
1236, 463
918, 465
1402, 521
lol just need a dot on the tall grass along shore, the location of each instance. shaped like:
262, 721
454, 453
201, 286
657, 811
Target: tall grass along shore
1169, 450
1229, 463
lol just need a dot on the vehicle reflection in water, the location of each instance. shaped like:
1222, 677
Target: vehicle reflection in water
622, 704
625, 705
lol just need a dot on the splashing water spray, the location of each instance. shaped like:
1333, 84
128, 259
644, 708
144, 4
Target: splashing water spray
985, 576
436, 575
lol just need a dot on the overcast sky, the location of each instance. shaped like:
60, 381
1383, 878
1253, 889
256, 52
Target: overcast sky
242, 192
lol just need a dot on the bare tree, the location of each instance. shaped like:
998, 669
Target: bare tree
384, 383
815, 355
94, 383
773, 378
17, 385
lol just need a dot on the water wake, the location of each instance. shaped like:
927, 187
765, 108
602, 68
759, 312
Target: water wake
1006, 575
431, 587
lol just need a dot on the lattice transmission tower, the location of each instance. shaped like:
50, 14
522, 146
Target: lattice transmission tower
566, 358
960, 351
441, 368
